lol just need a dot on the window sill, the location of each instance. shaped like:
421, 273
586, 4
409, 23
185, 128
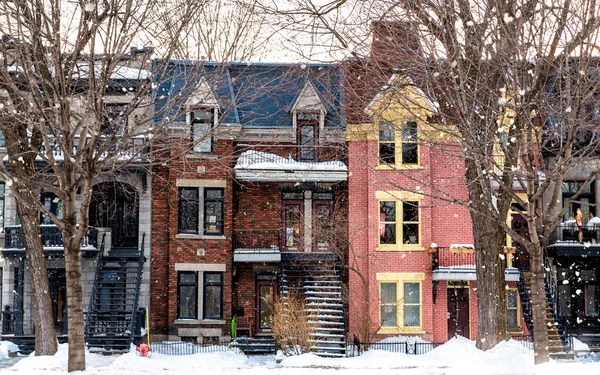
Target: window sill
403, 248
202, 322
183, 236
401, 330
201, 155
515, 331
390, 167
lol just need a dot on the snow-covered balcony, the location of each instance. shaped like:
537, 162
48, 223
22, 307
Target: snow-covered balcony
573, 239
51, 239
457, 262
262, 166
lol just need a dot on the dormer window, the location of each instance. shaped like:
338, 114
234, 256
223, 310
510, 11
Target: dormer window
201, 121
307, 137
114, 120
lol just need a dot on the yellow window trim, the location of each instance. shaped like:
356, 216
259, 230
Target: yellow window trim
398, 144
399, 196
518, 308
400, 278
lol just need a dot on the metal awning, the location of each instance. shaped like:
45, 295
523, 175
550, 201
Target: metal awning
271, 254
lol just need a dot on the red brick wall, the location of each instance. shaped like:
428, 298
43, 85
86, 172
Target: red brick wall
168, 250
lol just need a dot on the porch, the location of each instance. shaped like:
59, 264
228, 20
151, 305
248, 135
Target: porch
457, 262
51, 239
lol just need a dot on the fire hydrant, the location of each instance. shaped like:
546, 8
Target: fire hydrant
143, 349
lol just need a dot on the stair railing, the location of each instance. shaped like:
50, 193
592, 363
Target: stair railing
137, 286
95, 286
525, 302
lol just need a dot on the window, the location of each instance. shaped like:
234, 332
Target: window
114, 121
213, 295
410, 145
187, 295
308, 125
210, 214
323, 228
585, 201
293, 220
213, 211
188, 210
2, 140
387, 143
400, 301
53, 204
399, 223
512, 313
404, 142
201, 122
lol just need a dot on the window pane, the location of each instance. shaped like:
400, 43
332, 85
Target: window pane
512, 298
412, 293
513, 319
387, 210
187, 301
213, 217
387, 153
188, 210
213, 193
210, 278
591, 300
201, 137
412, 315
410, 211
410, 234
388, 234
292, 225
386, 132
388, 316
409, 131
388, 293
410, 153
564, 300
212, 301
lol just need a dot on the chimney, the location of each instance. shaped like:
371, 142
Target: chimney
395, 44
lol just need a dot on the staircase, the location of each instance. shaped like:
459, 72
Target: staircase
320, 284
557, 341
111, 315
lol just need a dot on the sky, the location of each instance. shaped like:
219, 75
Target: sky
457, 357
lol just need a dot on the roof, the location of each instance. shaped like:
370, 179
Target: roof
252, 95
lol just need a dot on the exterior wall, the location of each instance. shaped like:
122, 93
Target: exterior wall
170, 248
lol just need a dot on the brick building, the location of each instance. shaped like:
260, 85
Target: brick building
245, 208
411, 245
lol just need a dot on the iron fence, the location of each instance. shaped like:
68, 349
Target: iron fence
187, 348
354, 349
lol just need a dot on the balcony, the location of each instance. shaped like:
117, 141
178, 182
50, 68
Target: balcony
51, 238
457, 262
568, 239
256, 245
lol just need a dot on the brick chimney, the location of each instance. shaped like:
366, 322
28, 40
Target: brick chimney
395, 44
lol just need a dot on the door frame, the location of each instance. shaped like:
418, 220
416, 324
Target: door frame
463, 285
300, 245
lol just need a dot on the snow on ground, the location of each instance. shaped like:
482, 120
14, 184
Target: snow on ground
457, 357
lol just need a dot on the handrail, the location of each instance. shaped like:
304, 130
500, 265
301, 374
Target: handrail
98, 266
137, 286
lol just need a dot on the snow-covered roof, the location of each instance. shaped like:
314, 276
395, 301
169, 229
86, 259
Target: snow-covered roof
120, 72
462, 246
263, 166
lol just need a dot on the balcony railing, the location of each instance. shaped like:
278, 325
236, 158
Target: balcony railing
464, 258
51, 237
571, 233
256, 239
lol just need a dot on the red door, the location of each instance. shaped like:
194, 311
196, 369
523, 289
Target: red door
458, 312
265, 297
519, 225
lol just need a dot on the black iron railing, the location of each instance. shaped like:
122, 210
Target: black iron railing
463, 258
355, 349
51, 237
188, 348
571, 232
256, 239
11, 320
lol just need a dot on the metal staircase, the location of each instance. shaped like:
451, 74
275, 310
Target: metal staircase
111, 316
320, 284
557, 339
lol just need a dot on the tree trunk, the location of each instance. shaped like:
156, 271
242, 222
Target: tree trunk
538, 306
489, 239
45, 333
74, 303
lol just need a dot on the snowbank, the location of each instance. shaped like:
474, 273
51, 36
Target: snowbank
7, 347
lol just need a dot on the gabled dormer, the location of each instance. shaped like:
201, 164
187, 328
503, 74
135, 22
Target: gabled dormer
308, 120
202, 115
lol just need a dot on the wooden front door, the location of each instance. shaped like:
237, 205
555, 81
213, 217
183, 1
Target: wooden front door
265, 298
115, 206
58, 296
458, 311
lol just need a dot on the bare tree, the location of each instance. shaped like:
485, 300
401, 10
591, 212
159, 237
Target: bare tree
514, 83
62, 64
